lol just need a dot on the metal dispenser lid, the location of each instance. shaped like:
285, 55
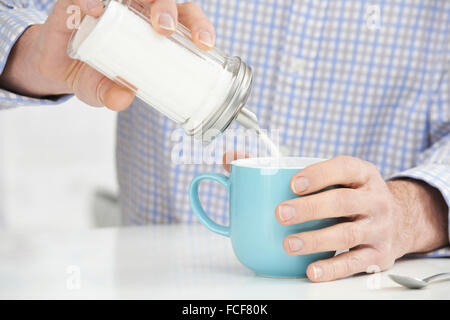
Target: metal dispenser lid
220, 121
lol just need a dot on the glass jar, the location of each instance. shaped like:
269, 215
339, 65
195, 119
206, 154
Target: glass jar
203, 91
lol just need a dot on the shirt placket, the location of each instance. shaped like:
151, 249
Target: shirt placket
303, 32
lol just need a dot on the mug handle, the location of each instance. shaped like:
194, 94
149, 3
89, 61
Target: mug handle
197, 207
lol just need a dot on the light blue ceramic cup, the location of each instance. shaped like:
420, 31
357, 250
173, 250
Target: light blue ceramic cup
256, 186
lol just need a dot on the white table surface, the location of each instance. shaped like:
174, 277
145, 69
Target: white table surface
172, 262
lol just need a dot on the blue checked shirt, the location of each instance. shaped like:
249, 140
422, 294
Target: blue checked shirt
363, 78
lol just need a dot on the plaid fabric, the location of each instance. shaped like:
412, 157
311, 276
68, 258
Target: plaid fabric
15, 17
361, 78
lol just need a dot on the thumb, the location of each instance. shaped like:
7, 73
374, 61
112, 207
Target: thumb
114, 96
95, 89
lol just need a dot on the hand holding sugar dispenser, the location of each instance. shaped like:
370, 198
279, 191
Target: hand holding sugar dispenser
203, 91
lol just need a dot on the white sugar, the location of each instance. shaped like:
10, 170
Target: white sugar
270, 144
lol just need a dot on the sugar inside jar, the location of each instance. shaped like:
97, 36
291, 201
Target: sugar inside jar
203, 91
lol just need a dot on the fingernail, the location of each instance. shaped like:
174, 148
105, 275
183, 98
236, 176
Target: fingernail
206, 38
166, 22
300, 184
317, 272
92, 4
295, 244
286, 212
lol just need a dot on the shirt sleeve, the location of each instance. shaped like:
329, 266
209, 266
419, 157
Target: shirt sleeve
15, 17
433, 164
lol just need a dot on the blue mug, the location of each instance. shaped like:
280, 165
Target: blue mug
256, 186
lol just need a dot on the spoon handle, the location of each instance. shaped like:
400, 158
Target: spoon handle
439, 275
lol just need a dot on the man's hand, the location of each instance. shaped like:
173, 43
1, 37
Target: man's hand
382, 220
38, 64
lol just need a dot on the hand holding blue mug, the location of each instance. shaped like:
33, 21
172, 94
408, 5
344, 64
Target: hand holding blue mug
256, 186
380, 220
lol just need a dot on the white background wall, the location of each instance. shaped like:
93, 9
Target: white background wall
52, 159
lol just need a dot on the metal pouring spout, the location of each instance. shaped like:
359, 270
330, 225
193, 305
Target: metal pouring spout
249, 120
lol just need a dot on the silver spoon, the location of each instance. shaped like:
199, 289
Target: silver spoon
414, 283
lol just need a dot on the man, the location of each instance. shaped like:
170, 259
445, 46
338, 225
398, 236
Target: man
364, 79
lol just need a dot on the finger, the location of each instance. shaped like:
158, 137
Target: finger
164, 15
341, 236
230, 156
192, 16
67, 13
57, 30
90, 7
342, 170
362, 259
327, 204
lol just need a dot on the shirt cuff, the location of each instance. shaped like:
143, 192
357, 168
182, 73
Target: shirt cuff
13, 23
438, 176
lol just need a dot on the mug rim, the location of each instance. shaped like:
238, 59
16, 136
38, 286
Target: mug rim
276, 162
